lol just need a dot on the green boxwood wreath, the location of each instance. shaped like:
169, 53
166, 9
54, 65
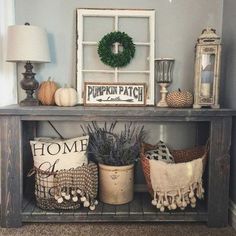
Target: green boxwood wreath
119, 59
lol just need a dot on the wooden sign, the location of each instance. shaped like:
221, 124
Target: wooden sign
115, 94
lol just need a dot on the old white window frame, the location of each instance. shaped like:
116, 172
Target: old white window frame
116, 13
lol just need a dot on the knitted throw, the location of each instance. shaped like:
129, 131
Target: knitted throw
67, 189
176, 185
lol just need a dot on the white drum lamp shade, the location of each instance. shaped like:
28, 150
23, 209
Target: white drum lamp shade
27, 43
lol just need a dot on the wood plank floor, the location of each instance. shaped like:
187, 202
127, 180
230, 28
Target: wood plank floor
140, 209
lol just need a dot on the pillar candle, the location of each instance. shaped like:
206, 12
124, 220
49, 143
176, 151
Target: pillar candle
206, 90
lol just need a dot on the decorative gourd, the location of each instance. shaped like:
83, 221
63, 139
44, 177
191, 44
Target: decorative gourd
46, 92
66, 97
179, 99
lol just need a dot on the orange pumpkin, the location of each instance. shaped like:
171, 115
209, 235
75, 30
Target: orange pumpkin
46, 92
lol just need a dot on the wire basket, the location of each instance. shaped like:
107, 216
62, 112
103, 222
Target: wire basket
66, 189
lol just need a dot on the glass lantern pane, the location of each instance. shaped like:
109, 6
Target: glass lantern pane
207, 75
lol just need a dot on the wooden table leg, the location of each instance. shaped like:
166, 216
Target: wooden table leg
11, 171
29, 130
218, 182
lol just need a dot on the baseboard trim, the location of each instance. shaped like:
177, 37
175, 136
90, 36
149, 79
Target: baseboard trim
232, 214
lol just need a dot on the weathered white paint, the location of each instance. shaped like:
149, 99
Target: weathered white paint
149, 14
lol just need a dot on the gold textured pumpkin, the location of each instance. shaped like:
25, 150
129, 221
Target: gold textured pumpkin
179, 99
46, 92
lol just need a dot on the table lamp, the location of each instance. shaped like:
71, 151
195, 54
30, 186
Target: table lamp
27, 43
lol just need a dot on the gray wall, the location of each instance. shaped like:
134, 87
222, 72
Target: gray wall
178, 24
229, 76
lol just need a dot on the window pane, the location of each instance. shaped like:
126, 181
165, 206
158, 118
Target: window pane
133, 78
130, 26
96, 27
140, 60
98, 77
92, 60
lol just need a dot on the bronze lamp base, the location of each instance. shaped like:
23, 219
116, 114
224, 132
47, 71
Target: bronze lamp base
29, 84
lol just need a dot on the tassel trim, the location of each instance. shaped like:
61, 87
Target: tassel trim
75, 195
180, 198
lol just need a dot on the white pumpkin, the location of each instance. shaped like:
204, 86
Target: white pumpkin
66, 97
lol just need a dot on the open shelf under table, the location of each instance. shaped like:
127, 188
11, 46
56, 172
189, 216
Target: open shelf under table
140, 209
18, 125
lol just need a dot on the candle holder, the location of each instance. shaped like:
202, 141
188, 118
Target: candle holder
163, 76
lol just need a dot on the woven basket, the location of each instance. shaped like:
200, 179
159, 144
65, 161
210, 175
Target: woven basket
82, 182
180, 156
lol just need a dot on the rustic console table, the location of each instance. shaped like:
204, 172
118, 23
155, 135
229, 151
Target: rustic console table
18, 125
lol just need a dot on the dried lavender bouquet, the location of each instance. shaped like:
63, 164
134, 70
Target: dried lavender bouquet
111, 148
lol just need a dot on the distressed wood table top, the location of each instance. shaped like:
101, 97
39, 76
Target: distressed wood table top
134, 112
